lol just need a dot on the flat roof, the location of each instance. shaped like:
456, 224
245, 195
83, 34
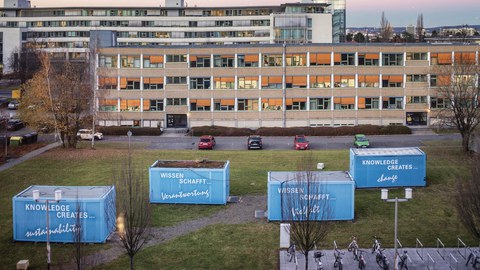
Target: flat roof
401, 151
68, 192
327, 176
182, 164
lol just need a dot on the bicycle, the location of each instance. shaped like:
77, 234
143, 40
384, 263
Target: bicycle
338, 259
318, 259
291, 251
353, 247
475, 260
361, 260
402, 263
376, 244
381, 259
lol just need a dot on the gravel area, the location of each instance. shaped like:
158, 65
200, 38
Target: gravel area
240, 212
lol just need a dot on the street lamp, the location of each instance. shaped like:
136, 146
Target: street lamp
408, 196
129, 134
58, 197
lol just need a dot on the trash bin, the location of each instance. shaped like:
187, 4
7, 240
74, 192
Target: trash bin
34, 137
16, 141
27, 138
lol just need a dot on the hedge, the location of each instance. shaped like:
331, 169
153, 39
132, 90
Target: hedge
136, 131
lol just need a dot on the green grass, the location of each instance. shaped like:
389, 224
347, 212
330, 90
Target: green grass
429, 215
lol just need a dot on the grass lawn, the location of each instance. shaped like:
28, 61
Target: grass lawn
429, 215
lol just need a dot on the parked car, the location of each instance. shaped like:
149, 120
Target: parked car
87, 134
15, 124
361, 141
13, 105
254, 142
300, 142
206, 142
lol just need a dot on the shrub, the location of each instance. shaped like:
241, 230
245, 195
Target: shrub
219, 131
136, 131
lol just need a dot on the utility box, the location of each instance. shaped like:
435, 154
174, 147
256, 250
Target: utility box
89, 211
189, 181
388, 167
324, 195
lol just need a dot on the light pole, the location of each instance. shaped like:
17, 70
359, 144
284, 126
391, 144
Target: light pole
58, 197
129, 134
408, 196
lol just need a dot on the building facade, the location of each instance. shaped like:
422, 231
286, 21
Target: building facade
274, 85
66, 31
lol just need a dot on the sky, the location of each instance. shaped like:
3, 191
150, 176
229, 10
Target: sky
360, 13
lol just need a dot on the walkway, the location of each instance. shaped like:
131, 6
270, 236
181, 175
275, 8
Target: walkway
12, 162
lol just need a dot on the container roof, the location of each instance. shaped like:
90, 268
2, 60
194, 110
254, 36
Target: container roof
68, 192
403, 151
203, 163
316, 176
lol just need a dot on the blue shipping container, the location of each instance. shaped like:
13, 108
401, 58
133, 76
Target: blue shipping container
190, 182
92, 209
331, 196
388, 167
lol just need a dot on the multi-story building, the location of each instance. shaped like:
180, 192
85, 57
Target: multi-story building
273, 84
66, 31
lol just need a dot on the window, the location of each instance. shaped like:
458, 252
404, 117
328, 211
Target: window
392, 59
465, 58
176, 80
248, 83
344, 59
108, 61
296, 59
224, 83
344, 103
223, 60
439, 103
128, 61
272, 104
296, 82
368, 103
177, 58
343, 81
176, 101
153, 105
272, 60
320, 81
296, 104
130, 83
107, 105
153, 61
200, 61
392, 81
247, 104
440, 80
417, 56
223, 104
320, 103
272, 82
249, 60
368, 80
200, 83
416, 99
200, 105
392, 103
107, 83
320, 59
152, 83
417, 78
440, 58
130, 105
368, 59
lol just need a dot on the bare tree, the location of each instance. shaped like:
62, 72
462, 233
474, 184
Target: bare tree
386, 29
307, 211
468, 199
420, 29
133, 207
458, 83
24, 62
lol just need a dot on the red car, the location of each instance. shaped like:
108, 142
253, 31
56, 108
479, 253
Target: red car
300, 142
206, 142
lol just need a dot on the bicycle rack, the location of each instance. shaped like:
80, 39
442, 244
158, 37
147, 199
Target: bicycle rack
442, 246
419, 245
461, 245
451, 257
430, 259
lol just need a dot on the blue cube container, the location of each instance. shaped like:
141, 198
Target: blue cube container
189, 182
388, 167
91, 208
331, 195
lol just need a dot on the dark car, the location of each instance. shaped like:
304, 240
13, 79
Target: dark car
254, 142
300, 142
206, 142
15, 124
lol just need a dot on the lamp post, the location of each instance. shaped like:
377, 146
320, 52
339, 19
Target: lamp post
58, 197
408, 196
129, 134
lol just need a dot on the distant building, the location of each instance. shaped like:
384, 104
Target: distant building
410, 29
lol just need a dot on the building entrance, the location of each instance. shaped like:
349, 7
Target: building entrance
176, 120
416, 119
